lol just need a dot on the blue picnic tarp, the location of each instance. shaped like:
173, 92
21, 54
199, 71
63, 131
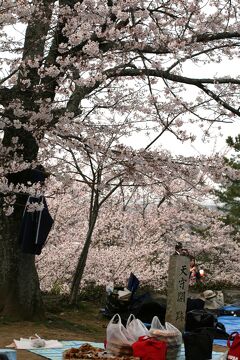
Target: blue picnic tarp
231, 323
56, 354
11, 354
230, 308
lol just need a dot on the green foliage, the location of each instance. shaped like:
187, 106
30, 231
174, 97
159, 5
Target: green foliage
56, 288
230, 196
54, 302
235, 144
91, 292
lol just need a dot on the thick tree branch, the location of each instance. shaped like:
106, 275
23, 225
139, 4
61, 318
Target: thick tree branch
35, 37
9, 76
206, 37
219, 100
202, 52
166, 75
6, 95
181, 79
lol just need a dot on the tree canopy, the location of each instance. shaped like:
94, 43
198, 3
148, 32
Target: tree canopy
229, 194
79, 72
78, 59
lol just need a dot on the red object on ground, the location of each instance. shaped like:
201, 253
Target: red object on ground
148, 348
234, 349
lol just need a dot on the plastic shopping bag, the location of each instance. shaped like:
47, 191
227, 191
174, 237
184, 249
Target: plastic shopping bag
118, 339
136, 328
168, 333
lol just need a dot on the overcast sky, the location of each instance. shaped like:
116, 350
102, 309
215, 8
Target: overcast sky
217, 140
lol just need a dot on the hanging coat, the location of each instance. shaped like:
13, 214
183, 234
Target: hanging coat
36, 225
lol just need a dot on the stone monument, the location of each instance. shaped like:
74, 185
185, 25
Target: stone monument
177, 292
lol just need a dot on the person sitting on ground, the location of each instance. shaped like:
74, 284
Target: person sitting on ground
209, 296
195, 304
206, 300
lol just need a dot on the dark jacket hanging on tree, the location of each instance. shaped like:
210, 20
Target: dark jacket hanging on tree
36, 221
36, 225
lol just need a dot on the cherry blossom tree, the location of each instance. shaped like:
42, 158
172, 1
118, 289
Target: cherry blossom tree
125, 240
104, 165
77, 59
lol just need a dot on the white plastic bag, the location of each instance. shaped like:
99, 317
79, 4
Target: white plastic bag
168, 333
136, 328
109, 287
118, 339
36, 342
124, 295
156, 324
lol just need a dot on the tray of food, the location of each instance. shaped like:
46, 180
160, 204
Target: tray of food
89, 352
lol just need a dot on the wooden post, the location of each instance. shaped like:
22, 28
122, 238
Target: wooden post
178, 282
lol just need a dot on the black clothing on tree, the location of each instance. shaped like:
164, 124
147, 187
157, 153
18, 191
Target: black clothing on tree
36, 225
27, 176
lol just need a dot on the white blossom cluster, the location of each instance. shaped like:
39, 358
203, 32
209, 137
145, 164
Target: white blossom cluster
138, 238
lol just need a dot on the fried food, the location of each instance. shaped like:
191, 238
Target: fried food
87, 351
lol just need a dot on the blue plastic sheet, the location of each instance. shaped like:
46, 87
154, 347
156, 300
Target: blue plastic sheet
230, 308
231, 323
11, 354
56, 354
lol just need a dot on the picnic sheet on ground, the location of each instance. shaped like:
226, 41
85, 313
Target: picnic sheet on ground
232, 323
27, 344
232, 308
56, 354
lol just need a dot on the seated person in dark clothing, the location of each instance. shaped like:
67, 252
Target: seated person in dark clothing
149, 309
195, 304
206, 300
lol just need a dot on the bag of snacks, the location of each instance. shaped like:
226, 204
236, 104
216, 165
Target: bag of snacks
119, 340
168, 333
136, 328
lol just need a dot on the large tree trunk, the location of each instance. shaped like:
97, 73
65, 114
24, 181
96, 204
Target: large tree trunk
20, 296
19, 284
82, 261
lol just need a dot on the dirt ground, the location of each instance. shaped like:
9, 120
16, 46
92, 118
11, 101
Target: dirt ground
83, 324
86, 323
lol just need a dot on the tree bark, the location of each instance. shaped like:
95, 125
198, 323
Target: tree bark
20, 296
82, 261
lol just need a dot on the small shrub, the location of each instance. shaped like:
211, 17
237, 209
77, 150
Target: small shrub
91, 292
